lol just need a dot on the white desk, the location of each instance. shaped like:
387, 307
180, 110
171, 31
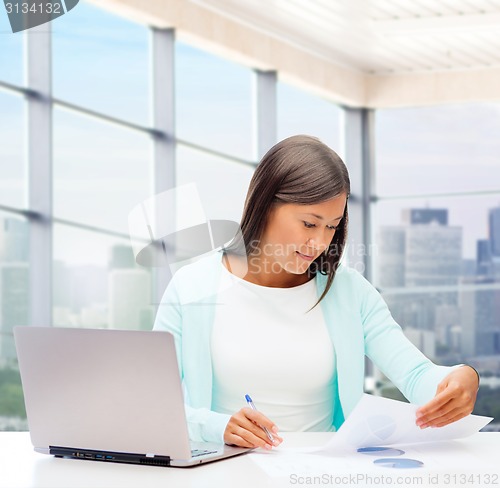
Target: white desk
21, 467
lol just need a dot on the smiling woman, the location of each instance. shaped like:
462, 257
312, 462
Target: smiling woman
311, 179
290, 244
278, 298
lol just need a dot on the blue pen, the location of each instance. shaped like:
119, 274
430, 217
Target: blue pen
253, 407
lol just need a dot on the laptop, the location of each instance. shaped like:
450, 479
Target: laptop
108, 396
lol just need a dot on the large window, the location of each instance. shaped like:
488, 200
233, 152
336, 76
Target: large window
438, 150
101, 171
213, 102
11, 53
427, 261
14, 310
437, 230
14, 228
208, 172
97, 282
100, 62
13, 179
103, 165
302, 113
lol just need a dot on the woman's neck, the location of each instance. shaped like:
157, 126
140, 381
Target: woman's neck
254, 271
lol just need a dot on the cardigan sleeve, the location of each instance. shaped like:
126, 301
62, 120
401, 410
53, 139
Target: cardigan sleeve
203, 423
416, 376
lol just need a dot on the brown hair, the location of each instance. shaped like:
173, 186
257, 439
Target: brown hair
302, 170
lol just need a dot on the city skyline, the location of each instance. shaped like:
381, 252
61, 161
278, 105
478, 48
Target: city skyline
450, 322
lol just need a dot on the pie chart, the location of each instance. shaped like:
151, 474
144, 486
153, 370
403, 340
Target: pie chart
381, 451
398, 463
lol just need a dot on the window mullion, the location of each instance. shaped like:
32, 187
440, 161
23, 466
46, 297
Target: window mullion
39, 134
266, 116
164, 141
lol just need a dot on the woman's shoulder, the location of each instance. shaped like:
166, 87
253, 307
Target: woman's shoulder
197, 281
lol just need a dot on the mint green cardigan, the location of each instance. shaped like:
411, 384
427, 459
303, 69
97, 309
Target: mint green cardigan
358, 321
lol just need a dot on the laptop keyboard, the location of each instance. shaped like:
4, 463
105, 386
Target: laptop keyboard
201, 452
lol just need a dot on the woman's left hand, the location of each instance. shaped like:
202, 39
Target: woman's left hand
455, 398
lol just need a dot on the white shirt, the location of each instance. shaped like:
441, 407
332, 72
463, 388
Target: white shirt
268, 344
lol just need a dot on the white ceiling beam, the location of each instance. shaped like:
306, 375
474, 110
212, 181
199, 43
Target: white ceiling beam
395, 8
486, 44
479, 85
442, 7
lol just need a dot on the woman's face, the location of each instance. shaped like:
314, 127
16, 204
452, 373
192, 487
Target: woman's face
296, 235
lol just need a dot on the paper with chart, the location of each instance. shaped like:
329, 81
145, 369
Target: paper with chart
377, 421
449, 456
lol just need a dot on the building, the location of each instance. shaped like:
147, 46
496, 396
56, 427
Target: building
433, 255
129, 299
425, 216
424, 252
392, 256
484, 261
14, 293
480, 317
122, 257
79, 288
494, 228
14, 239
14, 282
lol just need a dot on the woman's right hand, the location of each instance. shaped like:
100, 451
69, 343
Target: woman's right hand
244, 429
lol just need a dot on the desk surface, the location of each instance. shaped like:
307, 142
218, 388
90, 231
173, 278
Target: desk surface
21, 467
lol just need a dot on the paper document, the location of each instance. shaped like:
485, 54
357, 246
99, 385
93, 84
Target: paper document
377, 421
448, 456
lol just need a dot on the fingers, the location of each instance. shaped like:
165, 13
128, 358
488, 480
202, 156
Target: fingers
440, 405
263, 427
453, 416
244, 429
260, 420
444, 419
244, 440
452, 402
